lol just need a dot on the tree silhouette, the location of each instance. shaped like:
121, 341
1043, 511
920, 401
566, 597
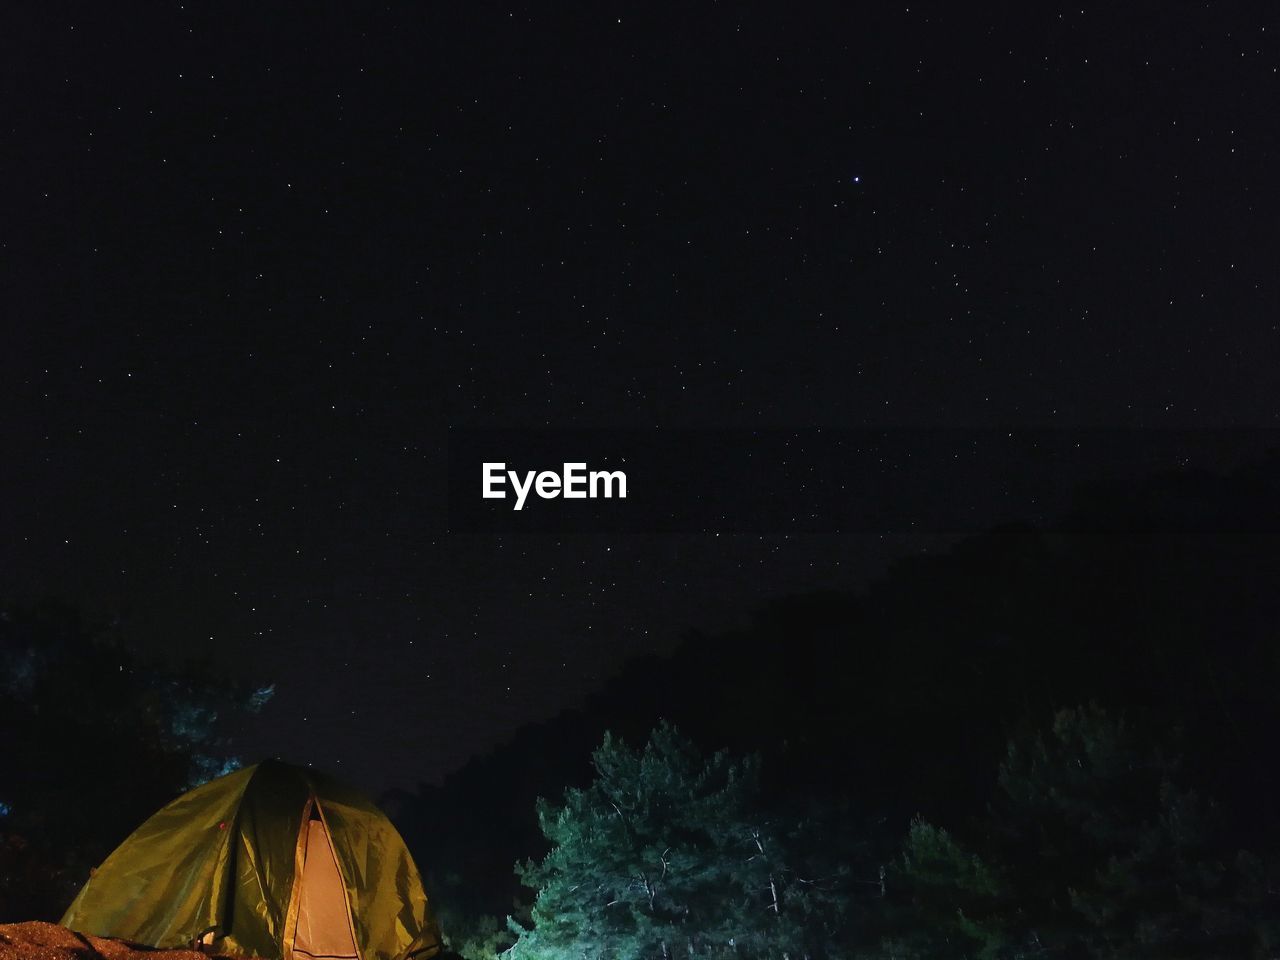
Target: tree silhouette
95, 740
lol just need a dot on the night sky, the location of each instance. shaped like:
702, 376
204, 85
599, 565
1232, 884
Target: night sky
258, 260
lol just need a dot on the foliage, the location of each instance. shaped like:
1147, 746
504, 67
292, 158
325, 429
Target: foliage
480, 939
955, 903
670, 851
1089, 849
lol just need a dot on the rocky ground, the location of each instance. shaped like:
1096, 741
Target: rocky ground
48, 941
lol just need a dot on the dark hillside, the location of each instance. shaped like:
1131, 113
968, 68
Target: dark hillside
898, 700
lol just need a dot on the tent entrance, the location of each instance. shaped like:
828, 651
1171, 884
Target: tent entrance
324, 930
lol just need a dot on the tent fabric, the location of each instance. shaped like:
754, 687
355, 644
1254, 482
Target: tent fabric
324, 917
225, 857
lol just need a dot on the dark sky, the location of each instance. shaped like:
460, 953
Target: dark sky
257, 260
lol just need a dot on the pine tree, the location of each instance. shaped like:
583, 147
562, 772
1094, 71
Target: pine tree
668, 853
1090, 850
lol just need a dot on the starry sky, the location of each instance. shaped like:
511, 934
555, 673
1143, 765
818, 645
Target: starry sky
258, 261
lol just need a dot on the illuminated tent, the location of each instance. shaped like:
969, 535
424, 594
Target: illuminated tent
272, 861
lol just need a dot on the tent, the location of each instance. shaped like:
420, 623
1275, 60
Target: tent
272, 861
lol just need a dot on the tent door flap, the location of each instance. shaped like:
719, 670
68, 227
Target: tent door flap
324, 930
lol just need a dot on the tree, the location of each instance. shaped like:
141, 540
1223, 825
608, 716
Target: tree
480, 937
948, 903
1090, 848
669, 852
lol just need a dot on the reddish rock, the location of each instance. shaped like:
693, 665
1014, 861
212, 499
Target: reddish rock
48, 941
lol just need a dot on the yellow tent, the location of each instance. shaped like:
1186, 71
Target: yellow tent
271, 860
